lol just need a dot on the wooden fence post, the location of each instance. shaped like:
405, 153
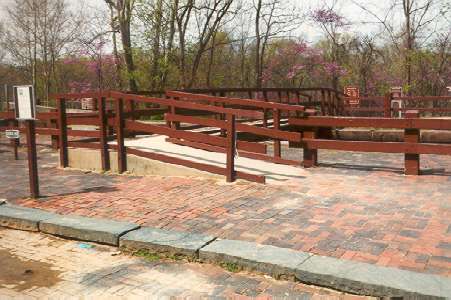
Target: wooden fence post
310, 155
222, 116
265, 112
104, 153
62, 124
121, 150
54, 138
387, 105
276, 120
412, 135
231, 148
15, 143
30, 128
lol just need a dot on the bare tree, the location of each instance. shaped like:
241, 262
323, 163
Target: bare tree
209, 17
272, 18
117, 60
124, 9
421, 18
39, 32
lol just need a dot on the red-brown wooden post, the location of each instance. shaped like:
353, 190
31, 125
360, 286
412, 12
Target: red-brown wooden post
130, 108
298, 102
174, 125
231, 148
387, 105
222, 116
62, 125
325, 104
412, 135
121, 150
323, 109
310, 155
15, 143
331, 101
103, 122
265, 112
54, 138
276, 120
32, 158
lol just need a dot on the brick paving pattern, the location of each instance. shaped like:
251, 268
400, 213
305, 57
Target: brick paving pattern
361, 208
50, 268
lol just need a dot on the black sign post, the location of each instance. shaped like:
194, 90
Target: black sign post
25, 108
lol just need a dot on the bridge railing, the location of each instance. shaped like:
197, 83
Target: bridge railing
412, 146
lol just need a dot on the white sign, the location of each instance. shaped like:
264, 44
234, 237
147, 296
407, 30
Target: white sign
24, 102
12, 134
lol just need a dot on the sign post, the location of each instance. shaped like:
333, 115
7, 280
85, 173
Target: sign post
14, 136
25, 110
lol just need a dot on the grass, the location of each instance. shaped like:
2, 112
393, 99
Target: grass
149, 256
231, 267
152, 256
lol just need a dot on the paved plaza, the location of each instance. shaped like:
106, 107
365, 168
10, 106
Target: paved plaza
355, 206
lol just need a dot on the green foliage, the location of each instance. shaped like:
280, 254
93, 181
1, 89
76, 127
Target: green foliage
231, 267
147, 255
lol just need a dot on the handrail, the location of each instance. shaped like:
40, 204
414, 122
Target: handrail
236, 101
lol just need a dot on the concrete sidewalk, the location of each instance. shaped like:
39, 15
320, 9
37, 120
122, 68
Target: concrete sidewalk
35, 266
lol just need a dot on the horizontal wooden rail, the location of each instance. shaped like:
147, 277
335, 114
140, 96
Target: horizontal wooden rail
91, 121
145, 112
438, 124
187, 105
246, 90
80, 95
85, 145
383, 147
192, 136
235, 101
267, 132
195, 120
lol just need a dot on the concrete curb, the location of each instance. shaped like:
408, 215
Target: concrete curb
22, 218
165, 241
87, 229
343, 275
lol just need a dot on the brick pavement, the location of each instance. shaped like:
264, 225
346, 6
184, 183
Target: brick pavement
378, 216
45, 267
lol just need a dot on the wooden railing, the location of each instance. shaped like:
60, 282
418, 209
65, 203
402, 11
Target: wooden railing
230, 116
384, 106
327, 100
412, 146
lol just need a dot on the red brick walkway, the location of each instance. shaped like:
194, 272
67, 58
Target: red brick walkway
379, 217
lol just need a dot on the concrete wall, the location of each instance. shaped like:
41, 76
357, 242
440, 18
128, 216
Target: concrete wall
89, 159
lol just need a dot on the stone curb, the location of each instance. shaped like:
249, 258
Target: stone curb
343, 275
87, 229
165, 241
22, 218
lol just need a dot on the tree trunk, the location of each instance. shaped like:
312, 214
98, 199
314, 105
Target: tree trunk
257, 46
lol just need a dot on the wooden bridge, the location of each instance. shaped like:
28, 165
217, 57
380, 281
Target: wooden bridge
234, 121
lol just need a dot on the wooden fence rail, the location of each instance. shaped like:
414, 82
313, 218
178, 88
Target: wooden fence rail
411, 147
